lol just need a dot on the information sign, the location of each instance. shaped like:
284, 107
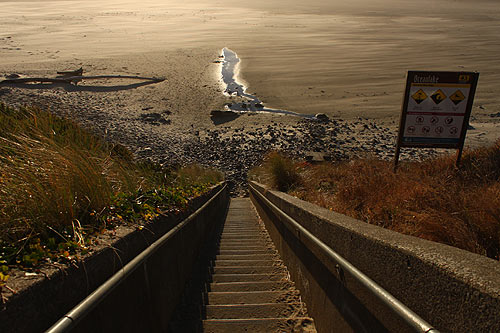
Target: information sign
436, 110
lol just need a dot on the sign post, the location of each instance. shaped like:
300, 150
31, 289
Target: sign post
436, 110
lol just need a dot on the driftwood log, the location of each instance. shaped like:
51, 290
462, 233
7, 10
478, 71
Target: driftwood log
77, 72
76, 79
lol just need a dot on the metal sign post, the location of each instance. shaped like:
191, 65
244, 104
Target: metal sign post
435, 111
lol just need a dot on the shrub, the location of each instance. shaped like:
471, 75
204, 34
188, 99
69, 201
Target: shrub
282, 171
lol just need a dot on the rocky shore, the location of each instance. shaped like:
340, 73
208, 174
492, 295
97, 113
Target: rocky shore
236, 151
233, 145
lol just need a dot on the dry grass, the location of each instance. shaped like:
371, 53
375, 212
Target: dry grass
431, 200
279, 171
56, 179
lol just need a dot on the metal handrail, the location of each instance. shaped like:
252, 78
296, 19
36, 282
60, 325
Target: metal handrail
402, 311
70, 319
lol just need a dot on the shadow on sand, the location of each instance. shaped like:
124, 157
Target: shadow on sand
81, 87
218, 120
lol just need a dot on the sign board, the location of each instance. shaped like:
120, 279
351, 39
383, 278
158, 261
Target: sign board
436, 109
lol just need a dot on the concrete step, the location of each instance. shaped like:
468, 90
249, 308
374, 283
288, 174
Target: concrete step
252, 297
253, 263
248, 226
242, 238
230, 233
247, 277
246, 252
238, 238
263, 310
242, 242
248, 269
243, 235
264, 325
245, 247
246, 257
250, 286
253, 242
269, 248
262, 245
255, 246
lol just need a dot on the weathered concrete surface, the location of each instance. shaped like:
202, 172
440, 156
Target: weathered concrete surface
250, 297
40, 306
452, 289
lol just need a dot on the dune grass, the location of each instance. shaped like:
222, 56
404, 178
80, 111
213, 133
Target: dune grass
59, 185
432, 199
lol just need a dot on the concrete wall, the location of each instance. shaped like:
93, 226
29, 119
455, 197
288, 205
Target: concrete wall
132, 306
452, 289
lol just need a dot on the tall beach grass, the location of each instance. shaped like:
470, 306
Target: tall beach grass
59, 183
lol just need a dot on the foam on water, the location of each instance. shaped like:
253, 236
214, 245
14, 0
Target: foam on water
229, 72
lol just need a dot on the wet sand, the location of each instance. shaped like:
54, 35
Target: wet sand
345, 60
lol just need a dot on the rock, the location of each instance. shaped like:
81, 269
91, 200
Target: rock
321, 117
154, 118
13, 76
315, 156
220, 113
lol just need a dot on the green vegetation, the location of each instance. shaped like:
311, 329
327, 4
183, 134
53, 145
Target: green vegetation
283, 172
60, 185
432, 199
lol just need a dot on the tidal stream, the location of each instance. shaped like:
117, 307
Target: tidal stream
233, 87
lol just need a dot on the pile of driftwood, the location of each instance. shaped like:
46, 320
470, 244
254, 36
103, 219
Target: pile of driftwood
73, 77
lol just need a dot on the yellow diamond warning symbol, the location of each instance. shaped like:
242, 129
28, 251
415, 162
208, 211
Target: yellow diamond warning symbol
457, 97
438, 96
419, 96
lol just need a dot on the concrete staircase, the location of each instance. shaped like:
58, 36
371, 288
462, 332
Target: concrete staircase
250, 289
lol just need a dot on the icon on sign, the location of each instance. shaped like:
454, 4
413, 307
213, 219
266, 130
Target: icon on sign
457, 97
453, 130
438, 96
464, 78
434, 120
419, 96
426, 129
411, 129
448, 120
439, 130
419, 120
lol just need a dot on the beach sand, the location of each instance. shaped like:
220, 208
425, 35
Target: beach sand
348, 61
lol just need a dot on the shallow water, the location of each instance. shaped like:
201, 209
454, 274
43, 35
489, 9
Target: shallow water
234, 88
